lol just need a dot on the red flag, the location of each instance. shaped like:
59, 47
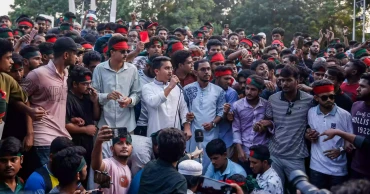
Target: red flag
144, 36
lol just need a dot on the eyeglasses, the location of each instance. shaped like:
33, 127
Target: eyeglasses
325, 97
24, 27
124, 51
289, 110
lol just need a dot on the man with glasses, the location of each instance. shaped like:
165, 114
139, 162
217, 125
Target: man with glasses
328, 164
25, 24
289, 113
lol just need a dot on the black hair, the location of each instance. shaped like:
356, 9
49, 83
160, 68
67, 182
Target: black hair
69, 15
304, 72
90, 37
322, 82
192, 181
5, 30
6, 47
285, 52
256, 38
261, 150
181, 30
319, 65
339, 45
76, 73
153, 40
4, 17
229, 62
60, 143
179, 57
332, 59
239, 30
79, 40
215, 147
228, 52
45, 47
27, 20
100, 26
51, 35
238, 178
110, 25
305, 35
40, 18
337, 71
115, 39
232, 34
171, 144
157, 62
359, 65
65, 164
268, 49
288, 71
366, 76
91, 56
352, 42
161, 28
255, 64
278, 30
280, 66
357, 186
17, 58
271, 65
293, 58
197, 63
297, 34
28, 49
172, 38
245, 73
215, 37
10, 146
213, 42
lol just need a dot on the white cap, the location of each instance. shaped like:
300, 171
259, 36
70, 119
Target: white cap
91, 15
262, 34
190, 167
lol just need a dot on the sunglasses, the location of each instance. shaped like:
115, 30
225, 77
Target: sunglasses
325, 97
124, 51
24, 27
289, 110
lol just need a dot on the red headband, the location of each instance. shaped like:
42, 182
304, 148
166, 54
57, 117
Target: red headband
10, 34
323, 89
120, 46
25, 23
177, 46
87, 46
278, 42
16, 32
105, 49
87, 78
217, 57
52, 40
223, 73
367, 62
200, 34
196, 53
91, 18
121, 30
247, 41
123, 139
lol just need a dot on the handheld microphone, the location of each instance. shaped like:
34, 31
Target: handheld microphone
199, 139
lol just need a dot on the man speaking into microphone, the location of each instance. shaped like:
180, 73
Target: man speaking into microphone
164, 99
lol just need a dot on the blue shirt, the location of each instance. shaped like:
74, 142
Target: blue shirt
226, 132
135, 183
231, 169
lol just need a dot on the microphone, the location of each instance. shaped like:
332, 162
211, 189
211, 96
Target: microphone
199, 139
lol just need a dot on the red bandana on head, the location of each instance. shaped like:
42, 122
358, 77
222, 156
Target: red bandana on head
323, 89
123, 139
91, 18
200, 34
249, 81
120, 46
251, 153
217, 57
10, 34
247, 41
87, 77
121, 30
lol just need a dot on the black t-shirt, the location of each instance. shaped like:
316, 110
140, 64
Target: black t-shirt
343, 100
161, 177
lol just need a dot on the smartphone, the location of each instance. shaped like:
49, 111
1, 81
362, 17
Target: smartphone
32, 35
226, 25
211, 186
119, 132
300, 42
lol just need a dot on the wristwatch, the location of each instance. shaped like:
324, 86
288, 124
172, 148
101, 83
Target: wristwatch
214, 124
341, 149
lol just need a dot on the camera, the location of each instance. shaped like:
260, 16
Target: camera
300, 181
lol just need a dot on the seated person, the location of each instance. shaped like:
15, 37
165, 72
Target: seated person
69, 167
10, 162
43, 179
221, 168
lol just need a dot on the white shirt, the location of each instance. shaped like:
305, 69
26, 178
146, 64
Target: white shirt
270, 182
164, 111
125, 81
340, 119
143, 118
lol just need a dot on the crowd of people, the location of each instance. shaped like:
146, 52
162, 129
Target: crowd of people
118, 108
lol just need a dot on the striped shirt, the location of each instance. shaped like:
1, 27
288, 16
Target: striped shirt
288, 141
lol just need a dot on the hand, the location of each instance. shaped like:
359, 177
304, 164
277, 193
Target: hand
345, 30
227, 107
28, 142
349, 147
365, 44
90, 130
269, 85
139, 46
173, 82
114, 95
238, 189
257, 127
312, 135
93, 95
197, 152
37, 113
104, 134
230, 116
78, 121
241, 155
189, 116
320, 34
124, 102
26, 38
298, 53
244, 53
207, 126
331, 133
332, 154
187, 132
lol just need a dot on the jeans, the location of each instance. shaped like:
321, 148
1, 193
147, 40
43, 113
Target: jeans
43, 153
324, 181
38, 156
